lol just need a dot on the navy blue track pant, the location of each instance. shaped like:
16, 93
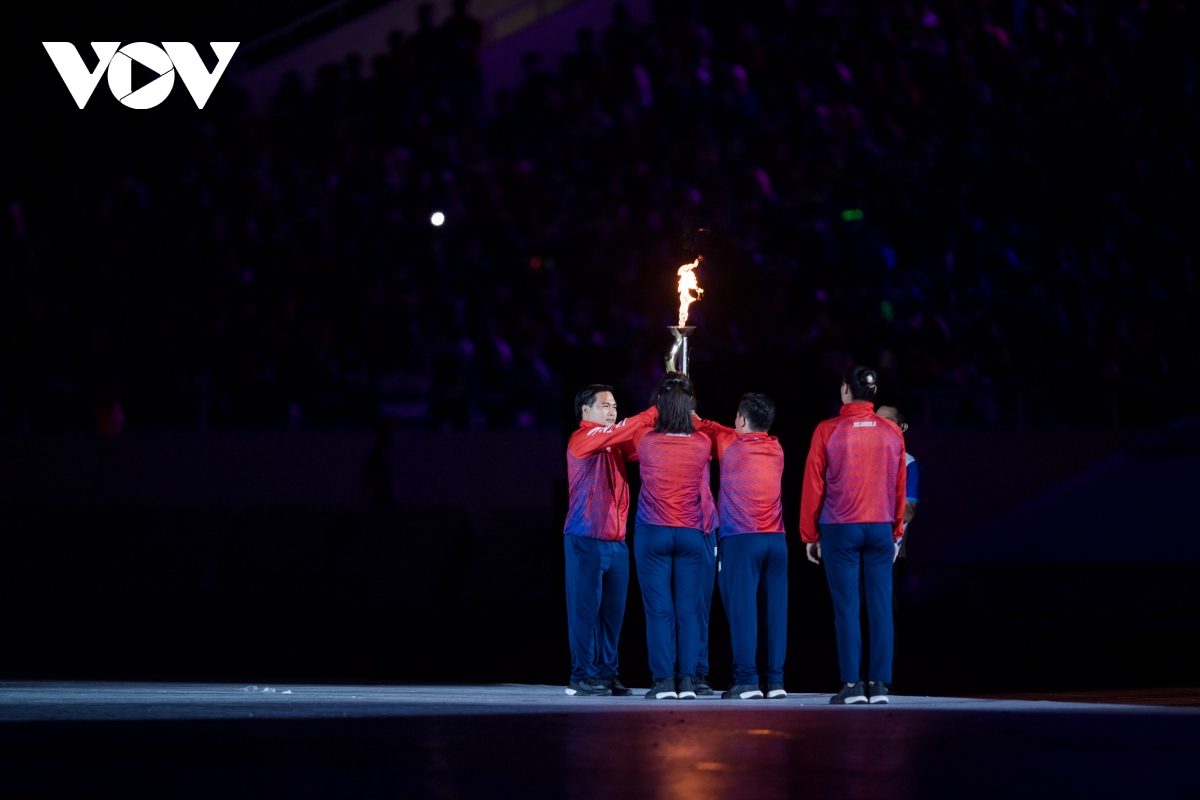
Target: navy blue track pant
754, 580
706, 593
597, 582
670, 564
844, 548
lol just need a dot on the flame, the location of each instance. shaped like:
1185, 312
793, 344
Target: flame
688, 284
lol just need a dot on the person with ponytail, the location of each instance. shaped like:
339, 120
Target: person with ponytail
852, 517
669, 541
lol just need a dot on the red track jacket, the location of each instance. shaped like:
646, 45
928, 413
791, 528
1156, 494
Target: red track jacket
855, 472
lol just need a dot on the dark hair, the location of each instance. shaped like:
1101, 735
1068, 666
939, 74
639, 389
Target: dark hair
673, 398
587, 396
758, 409
861, 381
900, 420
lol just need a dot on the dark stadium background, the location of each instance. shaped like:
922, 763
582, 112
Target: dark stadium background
213, 321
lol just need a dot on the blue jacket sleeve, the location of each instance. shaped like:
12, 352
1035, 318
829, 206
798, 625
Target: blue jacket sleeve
912, 488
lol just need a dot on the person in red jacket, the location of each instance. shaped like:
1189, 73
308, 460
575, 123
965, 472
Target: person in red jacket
852, 516
597, 558
708, 508
753, 551
669, 540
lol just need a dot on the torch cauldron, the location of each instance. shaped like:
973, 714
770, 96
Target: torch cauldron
677, 359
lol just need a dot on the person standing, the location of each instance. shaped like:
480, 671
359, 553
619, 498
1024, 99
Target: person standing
669, 540
852, 517
597, 558
912, 498
753, 549
708, 509
912, 481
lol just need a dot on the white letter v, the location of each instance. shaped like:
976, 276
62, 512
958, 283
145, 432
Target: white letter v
196, 77
74, 72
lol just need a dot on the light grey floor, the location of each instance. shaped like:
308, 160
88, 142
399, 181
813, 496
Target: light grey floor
88, 700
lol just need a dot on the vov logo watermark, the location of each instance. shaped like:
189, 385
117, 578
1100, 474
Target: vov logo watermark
118, 61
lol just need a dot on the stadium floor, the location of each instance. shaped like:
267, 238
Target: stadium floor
208, 739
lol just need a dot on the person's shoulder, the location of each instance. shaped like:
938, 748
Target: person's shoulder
765, 446
842, 422
825, 430
831, 423
756, 438
873, 420
584, 430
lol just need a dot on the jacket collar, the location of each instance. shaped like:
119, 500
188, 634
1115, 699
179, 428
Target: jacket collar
585, 424
857, 408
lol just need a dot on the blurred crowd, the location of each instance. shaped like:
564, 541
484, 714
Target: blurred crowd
988, 201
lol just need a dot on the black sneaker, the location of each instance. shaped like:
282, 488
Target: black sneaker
849, 695
775, 691
588, 687
617, 688
687, 689
878, 691
742, 691
663, 689
702, 687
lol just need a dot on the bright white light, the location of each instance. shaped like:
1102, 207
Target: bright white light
437, 219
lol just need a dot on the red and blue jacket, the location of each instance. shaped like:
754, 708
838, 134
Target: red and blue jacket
599, 491
751, 471
710, 520
855, 473
674, 466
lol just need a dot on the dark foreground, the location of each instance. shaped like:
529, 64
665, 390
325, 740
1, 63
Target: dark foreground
215, 740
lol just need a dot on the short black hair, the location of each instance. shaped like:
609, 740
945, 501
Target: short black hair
758, 409
587, 396
900, 419
861, 381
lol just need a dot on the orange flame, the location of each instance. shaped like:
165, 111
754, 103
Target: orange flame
687, 285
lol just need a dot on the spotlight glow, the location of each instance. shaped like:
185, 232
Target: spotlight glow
437, 219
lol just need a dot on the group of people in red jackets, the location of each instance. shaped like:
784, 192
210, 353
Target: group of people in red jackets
851, 519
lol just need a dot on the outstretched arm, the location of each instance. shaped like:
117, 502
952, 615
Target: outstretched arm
721, 435
596, 439
645, 421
